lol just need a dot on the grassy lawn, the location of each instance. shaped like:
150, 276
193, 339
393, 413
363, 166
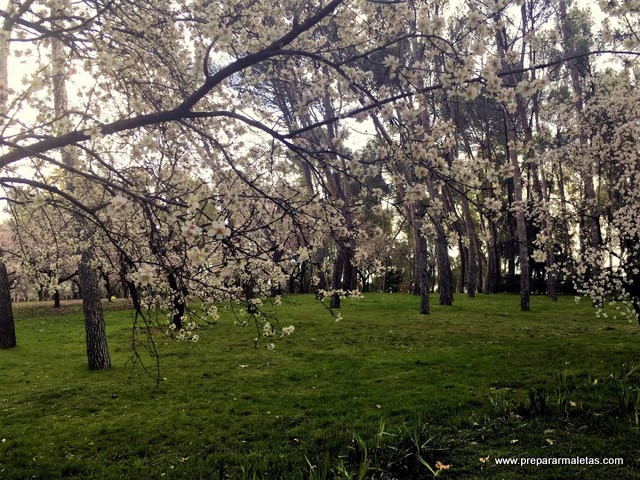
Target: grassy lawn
478, 379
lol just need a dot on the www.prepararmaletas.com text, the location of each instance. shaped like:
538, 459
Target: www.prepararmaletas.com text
554, 461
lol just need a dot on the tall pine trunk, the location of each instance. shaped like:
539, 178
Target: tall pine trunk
590, 221
521, 228
518, 191
445, 276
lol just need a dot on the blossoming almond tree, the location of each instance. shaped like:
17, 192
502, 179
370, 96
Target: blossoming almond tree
185, 161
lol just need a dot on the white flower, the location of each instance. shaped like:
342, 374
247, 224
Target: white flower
145, 275
193, 203
148, 141
190, 230
197, 256
415, 193
120, 207
493, 203
288, 330
267, 330
539, 256
219, 230
303, 254
474, 18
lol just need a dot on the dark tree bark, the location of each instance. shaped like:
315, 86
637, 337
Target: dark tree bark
472, 261
523, 241
493, 269
552, 276
7, 326
445, 277
423, 272
480, 277
179, 306
96, 336
336, 280
350, 271
415, 288
463, 265
128, 287
56, 299
107, 284
421, 257
133, 291
318, 260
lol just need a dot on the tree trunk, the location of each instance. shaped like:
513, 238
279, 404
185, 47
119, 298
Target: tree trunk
541, 197
518, 196
480, 261
318, 260
445, 278
336, 279
178, 301
56, 299
521, 221
566, 237
107, 285
96, 336
350, 279
421, 257
128, 287
423, 271
591, 235
493, 261
7, 326
415, 286
552, 276
135, 297
472, 261
523, 241
463, 265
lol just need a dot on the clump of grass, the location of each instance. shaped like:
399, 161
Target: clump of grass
628, 392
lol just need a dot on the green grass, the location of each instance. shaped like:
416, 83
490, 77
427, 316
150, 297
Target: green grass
460, 379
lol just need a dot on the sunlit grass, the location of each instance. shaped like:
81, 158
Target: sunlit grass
464, 373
